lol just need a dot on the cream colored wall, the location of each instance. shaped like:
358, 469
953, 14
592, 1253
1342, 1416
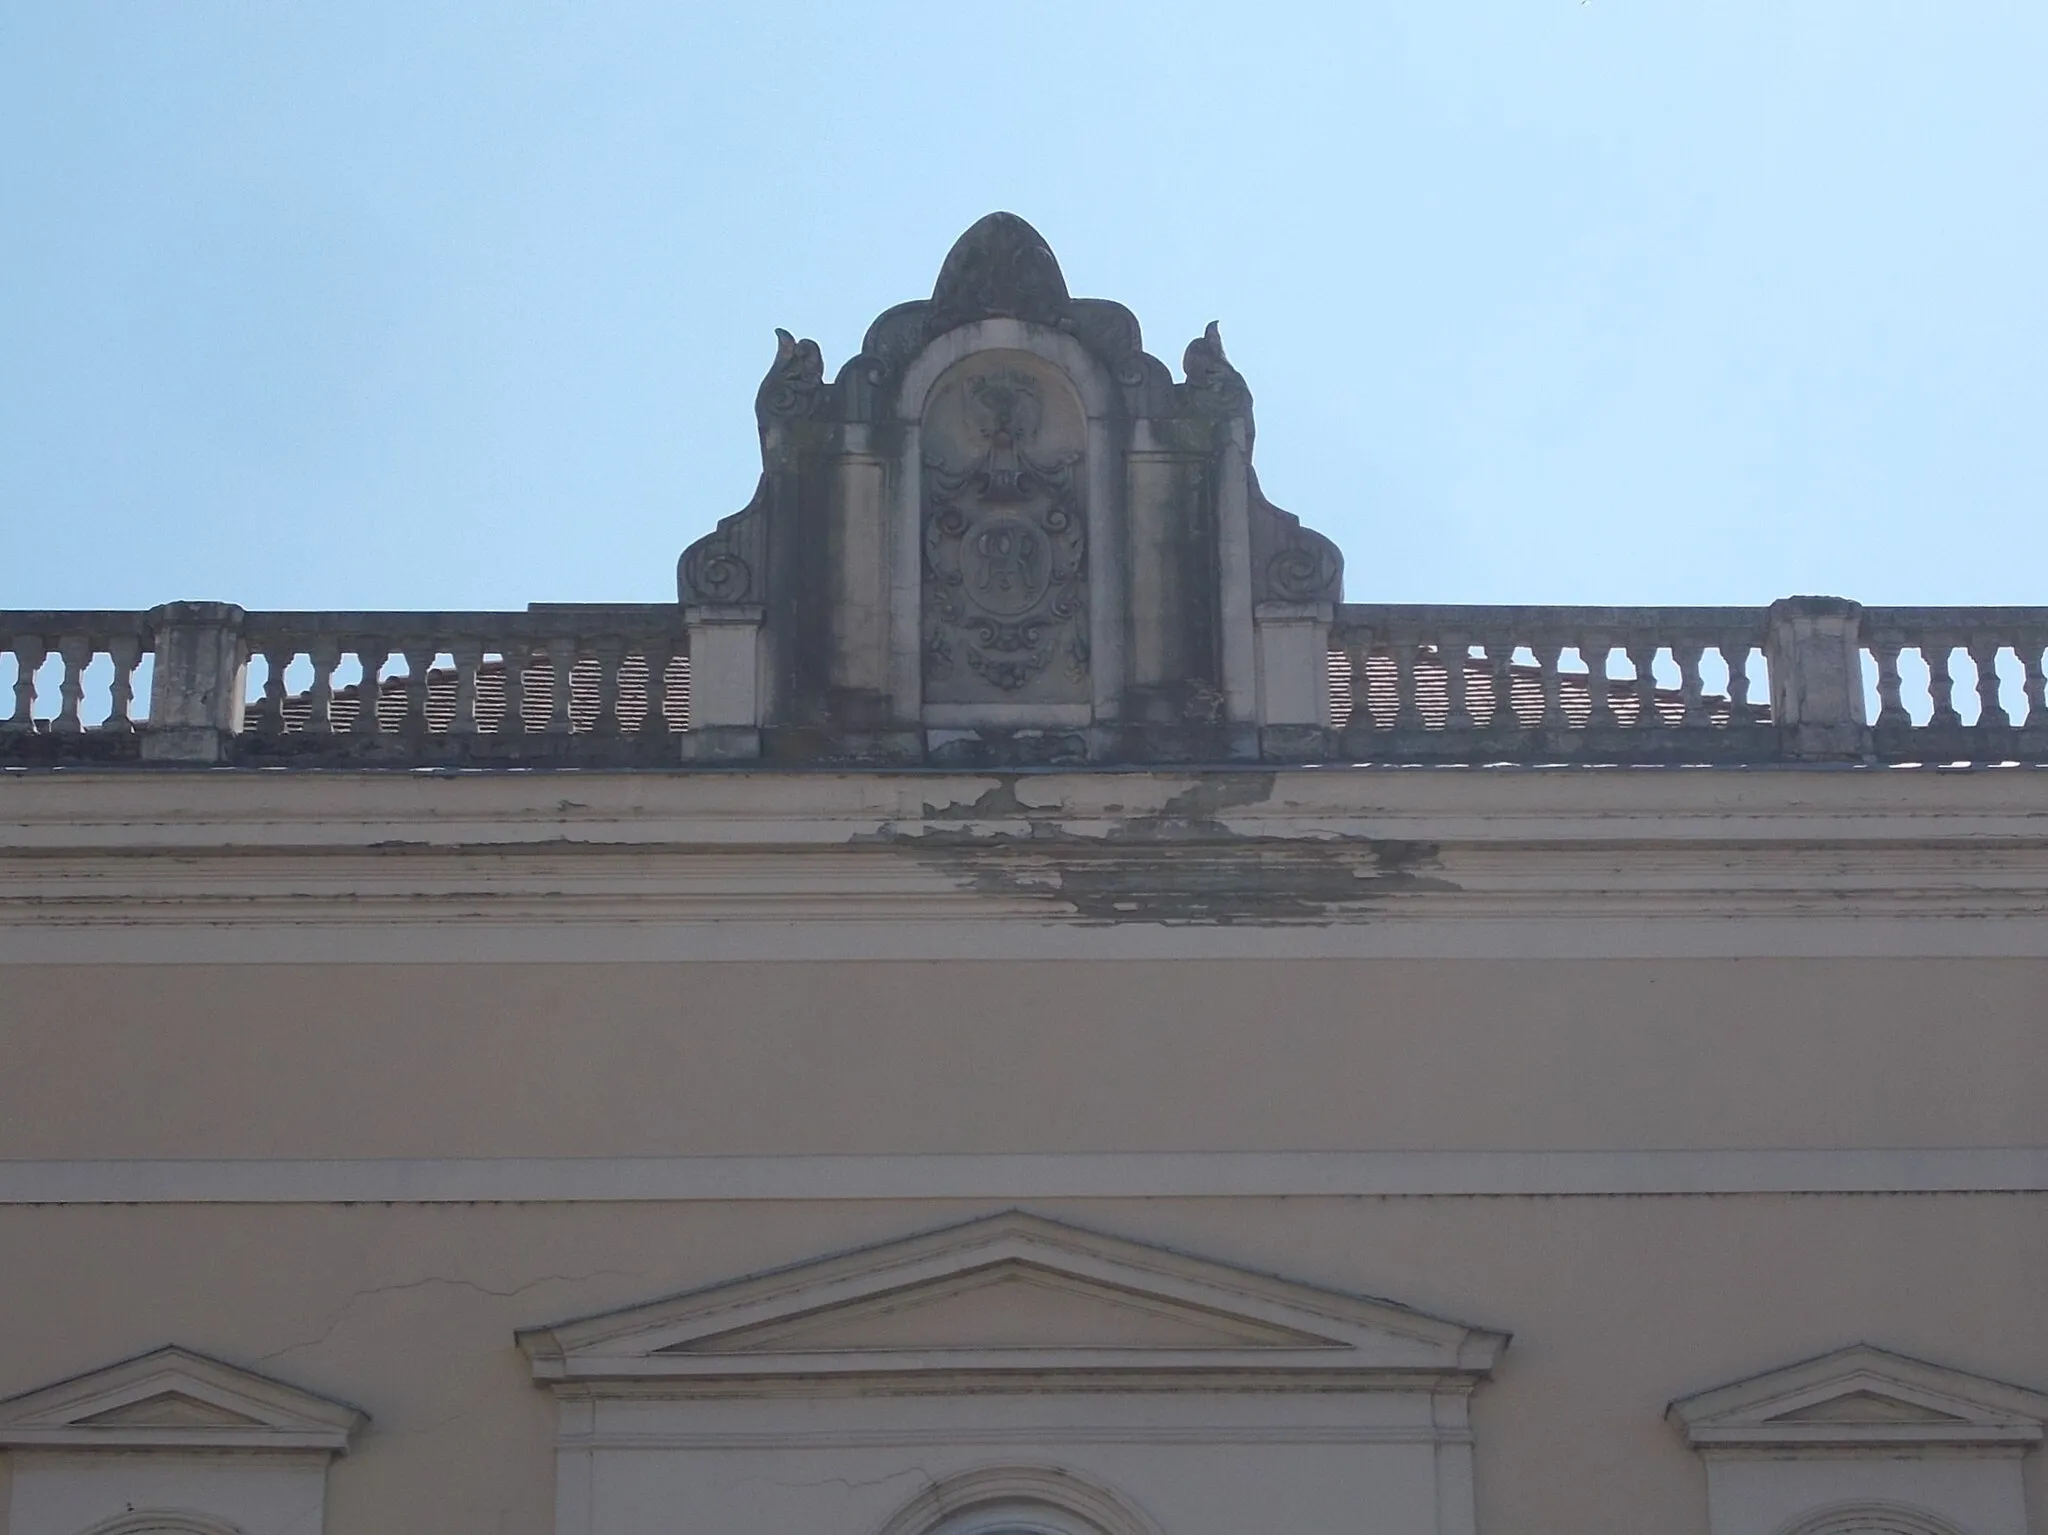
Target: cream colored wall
837, 966
662, 1060
1617, 1305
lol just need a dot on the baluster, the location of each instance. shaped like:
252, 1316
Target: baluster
1363, 685
517, 668
655, 720
1735, 651
77, 652
125, 651
469, 656
1594, 652
513, 722
270, 712
326, 656
1454, 650
562, 661
1407, 706
29, 652
1690, 689
2037, 686
1891, 710
1937, 652
1642, 655
1984, 655
419, 662
1548, 655
1500, 656
370, 691
611, 655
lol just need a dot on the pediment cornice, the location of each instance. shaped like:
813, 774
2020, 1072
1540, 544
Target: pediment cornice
1011, 1297
174, 1399
1860, 1397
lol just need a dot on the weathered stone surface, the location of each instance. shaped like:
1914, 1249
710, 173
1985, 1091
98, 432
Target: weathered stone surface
1004, 517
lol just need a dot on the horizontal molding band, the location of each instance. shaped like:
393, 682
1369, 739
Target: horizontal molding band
426, 938
1028, 1176
1224, 1433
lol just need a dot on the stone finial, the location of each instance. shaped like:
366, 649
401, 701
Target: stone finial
1001, 266
793, 382
1212, 381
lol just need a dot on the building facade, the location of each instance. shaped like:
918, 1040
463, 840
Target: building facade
1010, 1006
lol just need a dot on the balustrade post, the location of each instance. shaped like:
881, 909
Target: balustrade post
727, 680
1815, 649
1291, 652
197, 682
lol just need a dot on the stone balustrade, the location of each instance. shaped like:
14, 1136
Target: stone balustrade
76, 640
556, 684
1442, 683
589, 680
1804, 680
2011, 714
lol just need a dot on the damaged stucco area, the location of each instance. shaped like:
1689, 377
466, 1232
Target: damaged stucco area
1183, 859
1206, 862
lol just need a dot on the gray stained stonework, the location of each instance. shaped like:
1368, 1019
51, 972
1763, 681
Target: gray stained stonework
1003, 531
1004, 535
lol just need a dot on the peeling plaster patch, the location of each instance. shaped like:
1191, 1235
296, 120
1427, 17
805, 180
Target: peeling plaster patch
1180, 864
1252, 882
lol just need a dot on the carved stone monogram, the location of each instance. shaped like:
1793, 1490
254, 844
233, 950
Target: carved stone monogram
1005, 541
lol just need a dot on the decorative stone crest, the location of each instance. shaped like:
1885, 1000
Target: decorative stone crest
1003, 532
1002, 268
1005, 546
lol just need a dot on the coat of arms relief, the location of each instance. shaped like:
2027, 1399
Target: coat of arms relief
1005, 539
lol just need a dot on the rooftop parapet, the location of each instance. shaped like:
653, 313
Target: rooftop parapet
1004, 535
1805, 680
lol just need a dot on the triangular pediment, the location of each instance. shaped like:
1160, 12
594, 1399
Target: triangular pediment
171, 1409
176, 1399
1861, 1396
1007, 1305
1006, 1294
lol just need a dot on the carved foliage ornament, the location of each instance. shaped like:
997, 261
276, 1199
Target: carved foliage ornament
794, 382
1005, 548
1213, 381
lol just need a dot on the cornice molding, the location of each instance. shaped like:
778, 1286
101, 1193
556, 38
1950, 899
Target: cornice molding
1026, 1175
1331, 863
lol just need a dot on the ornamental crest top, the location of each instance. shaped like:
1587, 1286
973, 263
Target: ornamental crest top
1005, 519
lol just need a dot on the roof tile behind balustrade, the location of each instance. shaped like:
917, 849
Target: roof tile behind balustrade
1525, 695
394, 695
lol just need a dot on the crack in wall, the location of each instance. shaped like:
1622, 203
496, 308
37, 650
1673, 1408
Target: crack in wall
341, 1315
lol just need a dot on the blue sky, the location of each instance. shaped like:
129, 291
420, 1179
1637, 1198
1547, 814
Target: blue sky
458, 305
